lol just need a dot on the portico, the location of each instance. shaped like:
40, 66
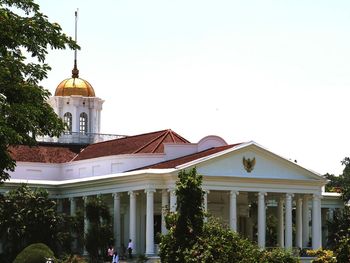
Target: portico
138, 212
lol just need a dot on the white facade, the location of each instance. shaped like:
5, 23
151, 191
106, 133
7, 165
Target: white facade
244, 200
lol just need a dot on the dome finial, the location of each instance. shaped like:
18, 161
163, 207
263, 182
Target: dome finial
75, 71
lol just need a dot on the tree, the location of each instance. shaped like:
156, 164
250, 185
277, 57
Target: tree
99, 234
25, 35
29, 216
186, 225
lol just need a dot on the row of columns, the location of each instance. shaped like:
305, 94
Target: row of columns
284, 214
285, 225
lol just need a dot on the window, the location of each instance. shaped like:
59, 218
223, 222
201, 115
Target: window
67, 119
83, 123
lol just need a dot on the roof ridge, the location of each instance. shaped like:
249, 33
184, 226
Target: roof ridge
164, 132
162, 140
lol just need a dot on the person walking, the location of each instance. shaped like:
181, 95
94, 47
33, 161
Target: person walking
130, 248
115, 258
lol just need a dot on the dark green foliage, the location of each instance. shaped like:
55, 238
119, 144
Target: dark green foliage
99, 234
29, 216
186, 225
25, 36
344, 179
334, 184
271, 230
190, 214
343, 250
341, 183
74, 259
338, 228
35, 253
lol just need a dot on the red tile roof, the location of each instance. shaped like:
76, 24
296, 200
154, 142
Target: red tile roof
188, 158
45, 153
144, 143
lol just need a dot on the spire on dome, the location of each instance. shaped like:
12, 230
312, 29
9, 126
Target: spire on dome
75, 71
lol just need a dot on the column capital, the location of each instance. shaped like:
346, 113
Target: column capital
132, 193
289, 195
262, 194
71, 199
234, 192
171, 189
85, 198
206, 191
317, 196
150, 190
116, 195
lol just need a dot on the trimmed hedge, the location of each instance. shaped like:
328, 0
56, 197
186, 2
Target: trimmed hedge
34, 253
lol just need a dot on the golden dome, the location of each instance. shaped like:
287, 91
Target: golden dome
75, 86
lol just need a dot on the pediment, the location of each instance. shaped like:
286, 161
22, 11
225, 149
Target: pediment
267, 165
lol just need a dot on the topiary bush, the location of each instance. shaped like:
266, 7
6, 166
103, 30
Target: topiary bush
34, 253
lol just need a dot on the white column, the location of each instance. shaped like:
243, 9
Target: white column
261, 219
233, 210
132, 223
116, 219
73, 210
86, 222
316, 222
165, 205
299, 222
73, 206
149, 221
280, 226
205, 204
289, 231
305, 223
172, 200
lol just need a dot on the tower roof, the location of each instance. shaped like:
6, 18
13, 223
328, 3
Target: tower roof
75, 86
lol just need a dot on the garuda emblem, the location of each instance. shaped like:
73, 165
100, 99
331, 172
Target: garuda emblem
248, 164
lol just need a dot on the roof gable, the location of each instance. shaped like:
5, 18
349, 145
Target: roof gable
144, 143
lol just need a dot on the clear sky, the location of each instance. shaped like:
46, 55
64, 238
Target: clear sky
275, 72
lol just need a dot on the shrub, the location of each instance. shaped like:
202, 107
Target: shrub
277, 255
322, 256
74, 259
35, 253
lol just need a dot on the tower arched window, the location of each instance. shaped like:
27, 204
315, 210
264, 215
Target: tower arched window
67, 119
83, 123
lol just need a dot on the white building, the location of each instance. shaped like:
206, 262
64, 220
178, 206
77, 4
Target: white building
244, 182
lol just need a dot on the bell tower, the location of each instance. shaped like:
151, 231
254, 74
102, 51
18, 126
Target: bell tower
76, 104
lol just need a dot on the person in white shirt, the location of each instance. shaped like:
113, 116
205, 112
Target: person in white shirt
130, 248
